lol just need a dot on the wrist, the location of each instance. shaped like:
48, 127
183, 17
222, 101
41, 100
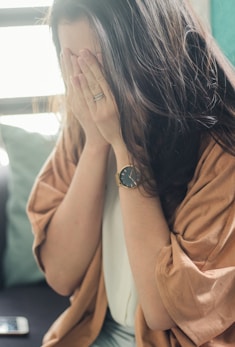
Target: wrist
128, 175
122, 155
96, 148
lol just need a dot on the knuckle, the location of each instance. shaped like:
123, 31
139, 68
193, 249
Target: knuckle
100, 79
94, 87
89, 99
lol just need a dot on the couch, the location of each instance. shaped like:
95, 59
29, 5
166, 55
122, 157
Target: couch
34, 300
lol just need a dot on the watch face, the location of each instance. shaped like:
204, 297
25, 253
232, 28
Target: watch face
130, 177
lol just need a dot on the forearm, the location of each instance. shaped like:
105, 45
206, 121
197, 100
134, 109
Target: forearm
146, 233
74, 231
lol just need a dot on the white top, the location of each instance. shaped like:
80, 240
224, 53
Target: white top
120, 288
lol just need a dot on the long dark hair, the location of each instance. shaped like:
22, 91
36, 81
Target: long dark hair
171, 84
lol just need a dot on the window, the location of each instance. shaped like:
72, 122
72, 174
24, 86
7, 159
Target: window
28, 67
24, 3
28, 63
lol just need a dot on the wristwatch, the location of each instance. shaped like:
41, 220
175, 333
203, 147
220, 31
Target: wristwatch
128, 177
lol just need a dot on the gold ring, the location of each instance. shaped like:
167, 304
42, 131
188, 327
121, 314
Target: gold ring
98, 97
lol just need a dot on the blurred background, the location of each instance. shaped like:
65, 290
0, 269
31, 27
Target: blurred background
29, 71
29, 68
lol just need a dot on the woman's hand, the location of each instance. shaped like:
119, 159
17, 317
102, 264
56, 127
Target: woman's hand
89, 82
76, 99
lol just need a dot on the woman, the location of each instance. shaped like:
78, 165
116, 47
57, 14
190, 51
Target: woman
149, 260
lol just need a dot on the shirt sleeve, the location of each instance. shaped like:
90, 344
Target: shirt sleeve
196, 273
49, 190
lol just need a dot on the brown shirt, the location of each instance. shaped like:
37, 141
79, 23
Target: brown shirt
195, 274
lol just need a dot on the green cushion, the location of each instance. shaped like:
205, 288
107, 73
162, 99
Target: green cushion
27, 152
223, 26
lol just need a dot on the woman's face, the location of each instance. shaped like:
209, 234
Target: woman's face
76, 36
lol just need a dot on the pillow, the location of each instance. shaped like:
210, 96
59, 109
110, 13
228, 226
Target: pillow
27, 152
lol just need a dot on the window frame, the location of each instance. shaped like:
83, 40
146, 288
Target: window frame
23, 17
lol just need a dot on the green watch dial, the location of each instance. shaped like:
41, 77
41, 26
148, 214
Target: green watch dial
129, 176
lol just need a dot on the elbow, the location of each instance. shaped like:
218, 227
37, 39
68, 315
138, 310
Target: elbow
60, 283
159, 325
158, 321
60, 290
58, 278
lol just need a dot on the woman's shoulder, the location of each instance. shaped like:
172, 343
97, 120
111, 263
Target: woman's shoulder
206, 215
213, 181
214, 161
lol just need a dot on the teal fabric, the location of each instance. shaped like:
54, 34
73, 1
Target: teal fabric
115, 335
223, 26
27, 153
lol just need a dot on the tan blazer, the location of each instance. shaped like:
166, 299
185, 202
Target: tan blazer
195, 274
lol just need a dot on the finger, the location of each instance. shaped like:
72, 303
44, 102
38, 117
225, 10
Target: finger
80, 106
79, 85
68, 63
74, 80
99, 57
62, 67
75, 66
88, 74
93, 69
87, 94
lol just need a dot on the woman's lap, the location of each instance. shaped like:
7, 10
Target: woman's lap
114, 335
